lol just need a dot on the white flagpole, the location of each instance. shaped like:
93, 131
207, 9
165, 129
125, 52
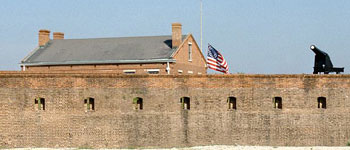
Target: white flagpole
201, 27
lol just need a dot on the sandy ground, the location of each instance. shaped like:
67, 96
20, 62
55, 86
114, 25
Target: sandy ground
218, 147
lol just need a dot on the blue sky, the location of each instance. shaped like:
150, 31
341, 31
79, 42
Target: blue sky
255, 36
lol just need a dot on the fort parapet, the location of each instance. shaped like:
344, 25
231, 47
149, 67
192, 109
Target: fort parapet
110, 110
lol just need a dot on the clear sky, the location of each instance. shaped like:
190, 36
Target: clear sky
255, 36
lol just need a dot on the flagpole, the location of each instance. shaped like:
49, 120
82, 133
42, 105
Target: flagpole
201, 26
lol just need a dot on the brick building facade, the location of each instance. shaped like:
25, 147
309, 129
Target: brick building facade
174, 54
110, 110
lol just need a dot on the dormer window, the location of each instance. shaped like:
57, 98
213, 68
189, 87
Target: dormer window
189, 51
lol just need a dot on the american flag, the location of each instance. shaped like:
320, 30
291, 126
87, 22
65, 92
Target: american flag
216, 61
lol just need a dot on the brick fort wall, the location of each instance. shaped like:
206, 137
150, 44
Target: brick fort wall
162, 122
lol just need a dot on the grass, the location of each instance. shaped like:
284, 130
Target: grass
84, 147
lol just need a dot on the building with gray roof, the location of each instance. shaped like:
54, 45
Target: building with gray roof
132, 55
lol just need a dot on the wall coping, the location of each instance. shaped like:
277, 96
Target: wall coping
9, 74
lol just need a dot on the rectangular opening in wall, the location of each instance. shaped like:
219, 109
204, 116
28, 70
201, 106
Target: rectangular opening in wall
138, 103
179, 71
86, 104
39, 103
153, 71
231, 103
277, 101
322, 102
185, 102
190, 72
89, 104
92, 103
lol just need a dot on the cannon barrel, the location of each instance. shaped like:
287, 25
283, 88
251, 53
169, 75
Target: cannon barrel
312, 47
318, 51
315, 49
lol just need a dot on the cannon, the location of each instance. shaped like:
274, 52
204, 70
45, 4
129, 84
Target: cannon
323, 62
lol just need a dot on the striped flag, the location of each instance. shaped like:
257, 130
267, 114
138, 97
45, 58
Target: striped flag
216, 61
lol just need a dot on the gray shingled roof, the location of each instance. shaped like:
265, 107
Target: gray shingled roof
103, 50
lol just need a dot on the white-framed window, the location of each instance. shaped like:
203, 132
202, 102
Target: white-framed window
190, 72
199, 73
179, 71
189, 51
129, 71
152, 71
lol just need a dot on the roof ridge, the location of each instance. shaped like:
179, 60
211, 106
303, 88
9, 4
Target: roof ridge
122, 37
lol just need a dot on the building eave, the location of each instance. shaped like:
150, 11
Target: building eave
98, 62
30, 54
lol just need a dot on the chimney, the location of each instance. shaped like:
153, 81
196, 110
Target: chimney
176, 34
44, 37
58, 36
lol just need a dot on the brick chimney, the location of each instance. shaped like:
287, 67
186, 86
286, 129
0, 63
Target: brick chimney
44, 37
58, 35
176, 34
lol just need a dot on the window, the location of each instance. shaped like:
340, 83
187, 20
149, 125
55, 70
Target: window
190, 51
89, 104
277, 101
179, 71
129, 71
39, 103
185, 103
190, 72
231, 101
152, 71
138, 103
322, 102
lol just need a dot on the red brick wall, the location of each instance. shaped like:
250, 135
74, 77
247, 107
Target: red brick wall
196, 65
162, 122
115, 68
